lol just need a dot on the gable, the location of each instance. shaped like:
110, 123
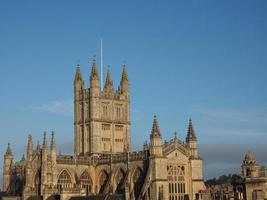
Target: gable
178, 156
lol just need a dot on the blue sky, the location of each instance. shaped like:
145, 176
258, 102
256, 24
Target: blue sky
201, 59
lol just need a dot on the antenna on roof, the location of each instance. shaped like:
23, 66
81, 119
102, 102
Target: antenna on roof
101, 63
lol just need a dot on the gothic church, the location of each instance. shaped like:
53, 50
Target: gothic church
103, 165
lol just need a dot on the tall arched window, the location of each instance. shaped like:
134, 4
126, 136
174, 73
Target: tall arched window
103, 178
137, 180
119, 178
176, 180
86, 182
37, 182
64, 180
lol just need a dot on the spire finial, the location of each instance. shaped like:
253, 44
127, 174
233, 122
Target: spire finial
190, 132
9, 151
175, 135
155, 128
124, 84
109, 83
78, 74
78, 62
44, 141
53, 141
38, 147
29, 146
94, 73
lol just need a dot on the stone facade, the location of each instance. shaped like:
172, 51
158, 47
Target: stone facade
103, 163
254, 178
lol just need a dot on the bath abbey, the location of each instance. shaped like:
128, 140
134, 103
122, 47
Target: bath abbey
103, 166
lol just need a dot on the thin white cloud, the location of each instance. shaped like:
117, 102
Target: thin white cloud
64, 107
248, 116
238, 132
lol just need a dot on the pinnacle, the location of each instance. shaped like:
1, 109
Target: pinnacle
9, 151
155, 128
109, 82
249, 156
124, 74
94, 73
44, 141
190, 132
78, 75
53, 141
38, 145
30, 139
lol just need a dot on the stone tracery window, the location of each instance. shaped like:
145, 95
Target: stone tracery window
37, 182
86, 182
103, 178
119, 180
137, 180
118, 112
176, 180
105, 110
64, 180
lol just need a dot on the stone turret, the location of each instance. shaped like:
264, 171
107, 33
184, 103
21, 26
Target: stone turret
158, 164
78, 81
195, 161
94, 79
44, 148
155, 139
8, 160
124, 84
191, 140
250, 167
29, 148
53, 148
38, 146
109, 82
44, 162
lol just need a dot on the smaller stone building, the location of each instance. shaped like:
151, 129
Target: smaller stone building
254, 178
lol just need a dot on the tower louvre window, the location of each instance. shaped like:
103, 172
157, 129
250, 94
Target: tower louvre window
105, 127
118, 128
118, 112
105, 110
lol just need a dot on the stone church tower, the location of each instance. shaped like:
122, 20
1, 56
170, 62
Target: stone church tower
103, 165
101, 117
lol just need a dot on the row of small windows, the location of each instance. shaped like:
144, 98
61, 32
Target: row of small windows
118, 128
118, 140
176, 178
108, 140
106, 127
